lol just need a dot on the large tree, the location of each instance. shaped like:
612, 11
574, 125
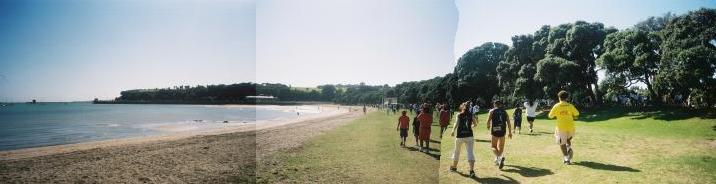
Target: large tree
476, 72
632, 56
580, 42
516, 72
688, 57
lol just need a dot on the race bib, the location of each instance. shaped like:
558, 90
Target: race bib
496, 129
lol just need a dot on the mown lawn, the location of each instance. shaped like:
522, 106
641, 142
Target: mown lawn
364, 151
611, 146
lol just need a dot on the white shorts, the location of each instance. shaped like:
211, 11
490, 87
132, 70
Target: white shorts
563, 136
469, 142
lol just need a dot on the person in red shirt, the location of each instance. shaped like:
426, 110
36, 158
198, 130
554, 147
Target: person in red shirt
426, 121
444, 120
403, 123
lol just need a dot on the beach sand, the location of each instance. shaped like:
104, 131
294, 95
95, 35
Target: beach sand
227, 155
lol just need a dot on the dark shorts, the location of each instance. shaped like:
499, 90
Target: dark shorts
530, 119
518, 123
403, 132
416, 130
498, 133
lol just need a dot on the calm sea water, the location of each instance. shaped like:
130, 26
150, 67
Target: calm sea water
35, 125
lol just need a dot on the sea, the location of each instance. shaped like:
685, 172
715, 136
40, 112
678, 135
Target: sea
27, 125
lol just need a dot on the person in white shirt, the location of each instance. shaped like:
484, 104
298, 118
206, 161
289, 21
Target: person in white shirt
531, 108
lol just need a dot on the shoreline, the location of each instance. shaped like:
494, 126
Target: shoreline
244, 127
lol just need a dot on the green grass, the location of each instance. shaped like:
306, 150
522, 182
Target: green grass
364, 151
610, 146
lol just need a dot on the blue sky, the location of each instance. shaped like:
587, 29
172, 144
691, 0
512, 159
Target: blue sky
313, 42
80, 50
68, 50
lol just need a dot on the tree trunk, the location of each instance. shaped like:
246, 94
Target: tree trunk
653, 96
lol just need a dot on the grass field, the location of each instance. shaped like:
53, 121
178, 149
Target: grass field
364, 151
611, 146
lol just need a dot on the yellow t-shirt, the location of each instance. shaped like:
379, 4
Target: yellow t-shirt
565, 114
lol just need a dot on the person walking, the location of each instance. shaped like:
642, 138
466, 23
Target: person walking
462, 131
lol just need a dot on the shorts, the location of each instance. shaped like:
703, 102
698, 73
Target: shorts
403, 132
498, 133
530, 119
518, 123
416, 131
424, 134
443, 124
469, 142
562, 136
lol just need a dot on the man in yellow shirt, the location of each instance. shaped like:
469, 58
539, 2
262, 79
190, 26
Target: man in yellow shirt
565, 114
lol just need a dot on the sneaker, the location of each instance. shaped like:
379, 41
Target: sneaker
566, 162
570, 153
497, 161
502, 162
472, 174
530, 130
453, 169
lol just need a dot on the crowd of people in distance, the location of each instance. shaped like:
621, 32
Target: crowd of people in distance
498, 123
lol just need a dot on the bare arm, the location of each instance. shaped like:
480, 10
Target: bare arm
489, 119
454, 126
509, 127
475, 121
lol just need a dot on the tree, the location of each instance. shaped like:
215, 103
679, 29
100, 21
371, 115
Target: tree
632, 56
581, 43
514, 79
688, 57
556, 74
476, 72
328, 92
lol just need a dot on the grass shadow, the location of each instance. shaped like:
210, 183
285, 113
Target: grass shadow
537, 133
434, 141
489, 179
608, 167
480, 140
668, 113
713, 128
528, 171
432, 153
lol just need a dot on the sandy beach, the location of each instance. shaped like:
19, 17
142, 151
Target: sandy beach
226, 155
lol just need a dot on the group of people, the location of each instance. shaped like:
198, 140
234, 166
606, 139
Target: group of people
498, 123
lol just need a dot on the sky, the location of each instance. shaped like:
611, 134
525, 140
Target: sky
76, 50
81, 50
313, 42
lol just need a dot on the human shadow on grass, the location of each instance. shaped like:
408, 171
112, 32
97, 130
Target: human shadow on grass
528, 171
608, 167
434, 141
480, 140
433, 152
489, 179
536, 133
